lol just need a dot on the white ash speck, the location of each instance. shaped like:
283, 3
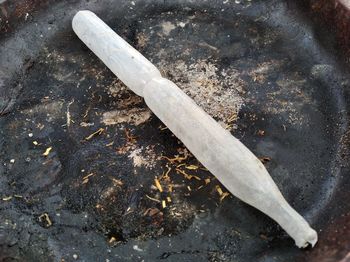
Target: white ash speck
144, 156
167, 27
136, 247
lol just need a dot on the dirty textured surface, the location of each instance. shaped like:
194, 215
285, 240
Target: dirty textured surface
334, 13
84, 161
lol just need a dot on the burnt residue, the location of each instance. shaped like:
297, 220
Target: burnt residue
334, 241
333, 15
90, 173
13, 13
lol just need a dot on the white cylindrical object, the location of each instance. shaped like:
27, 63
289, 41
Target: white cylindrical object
132, 68
235, 166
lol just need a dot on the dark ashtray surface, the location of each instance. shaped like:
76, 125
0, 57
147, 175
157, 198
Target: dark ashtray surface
90, 173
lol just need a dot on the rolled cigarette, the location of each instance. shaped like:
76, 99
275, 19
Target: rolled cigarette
232, 163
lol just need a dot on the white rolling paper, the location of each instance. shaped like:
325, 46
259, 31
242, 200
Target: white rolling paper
234, 165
